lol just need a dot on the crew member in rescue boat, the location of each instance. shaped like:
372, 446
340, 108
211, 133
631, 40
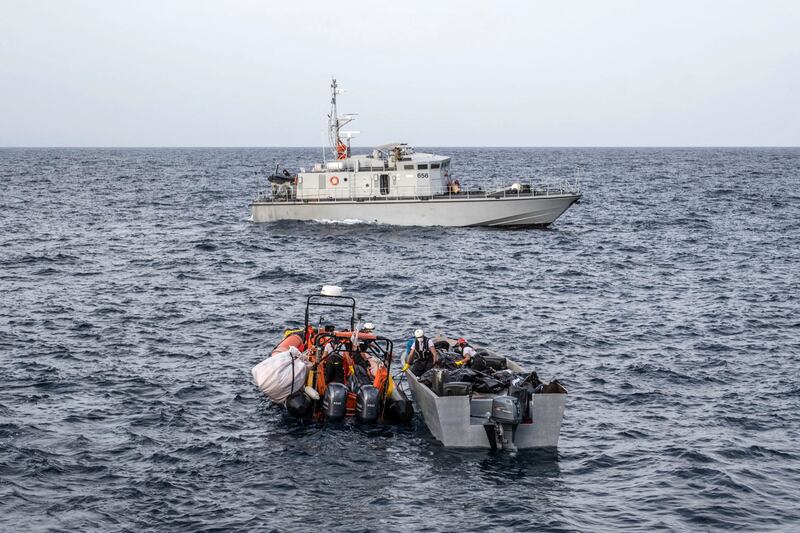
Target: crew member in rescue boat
362, 357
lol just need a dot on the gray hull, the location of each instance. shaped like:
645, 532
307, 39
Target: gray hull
458, 421
522, 211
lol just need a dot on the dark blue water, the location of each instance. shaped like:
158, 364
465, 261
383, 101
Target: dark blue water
136, 296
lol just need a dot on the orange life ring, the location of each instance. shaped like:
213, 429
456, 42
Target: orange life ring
334, 180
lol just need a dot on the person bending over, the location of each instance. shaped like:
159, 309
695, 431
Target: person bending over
467, 352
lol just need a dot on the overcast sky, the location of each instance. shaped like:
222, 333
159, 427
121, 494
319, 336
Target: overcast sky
500, 73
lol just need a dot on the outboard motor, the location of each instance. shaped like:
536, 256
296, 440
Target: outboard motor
506, 410
299, 405
505, 417
334, 403
367, 404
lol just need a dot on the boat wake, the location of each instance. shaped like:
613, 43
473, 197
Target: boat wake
346, 222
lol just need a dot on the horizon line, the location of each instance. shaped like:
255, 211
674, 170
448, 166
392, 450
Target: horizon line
111, 147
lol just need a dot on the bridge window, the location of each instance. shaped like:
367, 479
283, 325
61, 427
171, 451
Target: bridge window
434, 165
408, 167
422, 166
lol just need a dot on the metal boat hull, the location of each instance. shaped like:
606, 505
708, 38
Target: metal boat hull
458, 421
508, 211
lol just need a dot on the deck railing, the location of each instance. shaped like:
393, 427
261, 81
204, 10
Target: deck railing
518, 190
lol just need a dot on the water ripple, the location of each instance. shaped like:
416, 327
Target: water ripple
136, 296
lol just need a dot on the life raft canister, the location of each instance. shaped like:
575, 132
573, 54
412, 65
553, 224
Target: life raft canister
291, 340
334, 180
342, 152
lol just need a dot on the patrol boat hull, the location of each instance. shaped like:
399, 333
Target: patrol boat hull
460, 421
528, 210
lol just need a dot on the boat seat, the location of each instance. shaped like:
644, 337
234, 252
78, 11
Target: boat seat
457, 388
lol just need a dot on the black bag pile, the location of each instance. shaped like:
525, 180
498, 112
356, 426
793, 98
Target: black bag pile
441, 346
427, 377
447, 360
488, 374
464, 375
483, 361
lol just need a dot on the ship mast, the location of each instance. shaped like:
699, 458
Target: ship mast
335, 123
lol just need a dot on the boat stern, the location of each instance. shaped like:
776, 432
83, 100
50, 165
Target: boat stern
463, 421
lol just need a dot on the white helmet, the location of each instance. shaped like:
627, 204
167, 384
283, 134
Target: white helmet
419, 334
368, 326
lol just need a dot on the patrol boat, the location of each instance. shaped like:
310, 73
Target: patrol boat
395, 184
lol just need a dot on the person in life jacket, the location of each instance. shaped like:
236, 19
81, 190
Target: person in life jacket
467, 352
422, 355
334, 363
362, 357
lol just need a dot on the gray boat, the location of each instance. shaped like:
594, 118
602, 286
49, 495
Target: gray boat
495, 421
395, 184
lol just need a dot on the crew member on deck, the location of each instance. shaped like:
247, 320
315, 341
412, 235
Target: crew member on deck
422, 355
467, 352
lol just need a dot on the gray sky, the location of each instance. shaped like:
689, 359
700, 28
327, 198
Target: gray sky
256, 73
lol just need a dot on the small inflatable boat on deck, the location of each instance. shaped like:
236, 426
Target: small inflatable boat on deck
514, 417
329, 374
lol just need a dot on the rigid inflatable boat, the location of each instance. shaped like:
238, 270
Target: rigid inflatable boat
519, 415
325, 373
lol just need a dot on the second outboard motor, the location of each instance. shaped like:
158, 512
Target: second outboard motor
367, 404
505, 417
299, 405
334, 403
506, 410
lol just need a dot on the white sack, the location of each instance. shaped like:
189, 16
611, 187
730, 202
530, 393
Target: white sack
273, 375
